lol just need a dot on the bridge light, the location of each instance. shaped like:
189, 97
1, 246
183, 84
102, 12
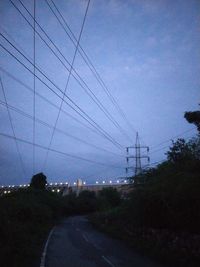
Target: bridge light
55, 183
50, 183
110, 182
61, 183
58, 190
103, 182
5, 192
74, 183
28, 185
9, 186
97, 182
13, 186
118, 181
52, 190
66, 183
24, 185
2, 186
20, 185
84, 182
125, 181
8, 191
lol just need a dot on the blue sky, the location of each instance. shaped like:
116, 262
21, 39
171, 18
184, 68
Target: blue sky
147, 53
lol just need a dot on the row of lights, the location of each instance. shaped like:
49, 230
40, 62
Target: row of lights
58, 190
27, 185
12, 186
7, 192
58, 183
97, 182
110, 182
76, 183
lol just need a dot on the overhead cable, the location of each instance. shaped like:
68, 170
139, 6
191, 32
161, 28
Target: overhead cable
85, 116
58, 151
13, 130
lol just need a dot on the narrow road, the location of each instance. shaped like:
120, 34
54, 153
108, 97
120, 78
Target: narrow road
75, 243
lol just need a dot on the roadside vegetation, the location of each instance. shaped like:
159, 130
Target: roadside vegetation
161, 217
26, 217
88, 202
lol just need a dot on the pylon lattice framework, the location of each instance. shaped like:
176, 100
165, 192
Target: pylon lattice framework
137, 156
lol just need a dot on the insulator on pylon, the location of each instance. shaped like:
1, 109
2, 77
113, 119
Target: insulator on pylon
147, 149
127, 150
127, 159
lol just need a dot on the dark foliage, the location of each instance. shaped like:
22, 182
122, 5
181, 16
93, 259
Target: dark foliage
193, 117
169, 197
88, 201
108, 198
38, 181
162, 214
25, 219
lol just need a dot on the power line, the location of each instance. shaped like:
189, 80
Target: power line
68, 79
52, 104
168, 140
22, 50
57, 151
34, 10
97, 173
89, 64
87, 90
13, 130
87, 61
154, 163
21, 112
96, 125
157, 150
46, 100
92, 96
88, 119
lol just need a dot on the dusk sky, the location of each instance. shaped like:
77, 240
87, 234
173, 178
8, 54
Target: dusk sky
147, 52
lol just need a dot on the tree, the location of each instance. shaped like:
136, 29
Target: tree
179, 151
185, 155
38, 181
193, 117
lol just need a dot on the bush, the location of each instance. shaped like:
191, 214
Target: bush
25, 219
108, 198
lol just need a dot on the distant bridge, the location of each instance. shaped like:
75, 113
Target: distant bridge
65, 188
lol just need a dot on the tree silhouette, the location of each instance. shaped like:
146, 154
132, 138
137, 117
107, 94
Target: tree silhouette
38, 181
193, 117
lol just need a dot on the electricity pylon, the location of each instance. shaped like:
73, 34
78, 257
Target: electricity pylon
137, 167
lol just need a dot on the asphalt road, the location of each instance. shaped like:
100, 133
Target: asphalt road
75, 243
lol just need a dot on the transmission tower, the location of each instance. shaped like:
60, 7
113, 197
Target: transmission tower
137, 156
